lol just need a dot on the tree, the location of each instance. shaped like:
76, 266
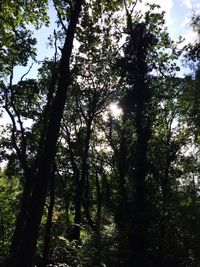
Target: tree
28, 247
96, 188
143, 54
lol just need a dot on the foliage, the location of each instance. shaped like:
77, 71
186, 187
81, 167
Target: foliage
9, 198
16, 42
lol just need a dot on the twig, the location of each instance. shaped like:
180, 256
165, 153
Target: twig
27, 72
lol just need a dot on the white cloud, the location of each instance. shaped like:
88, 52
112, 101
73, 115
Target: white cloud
188, 3
166, 6
191, 4
190, 37
186, 21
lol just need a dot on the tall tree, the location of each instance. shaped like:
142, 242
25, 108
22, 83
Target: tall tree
28, 246
143, 53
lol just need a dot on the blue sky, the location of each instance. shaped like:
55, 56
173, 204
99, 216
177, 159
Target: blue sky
181, 13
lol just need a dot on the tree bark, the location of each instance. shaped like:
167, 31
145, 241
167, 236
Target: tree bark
143, 133
136, 104
46, 246
142, 125
21, 217
77, 217
81, 181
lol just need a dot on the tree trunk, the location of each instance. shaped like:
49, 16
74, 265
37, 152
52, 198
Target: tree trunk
77, 217
49, 222
143, 131
28, 249
136, 104
81, 181
21, 217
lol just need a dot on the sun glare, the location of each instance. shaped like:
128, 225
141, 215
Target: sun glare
115, 110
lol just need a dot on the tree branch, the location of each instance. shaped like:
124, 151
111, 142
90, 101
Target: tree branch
59, 16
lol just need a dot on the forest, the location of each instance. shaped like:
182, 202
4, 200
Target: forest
100, 151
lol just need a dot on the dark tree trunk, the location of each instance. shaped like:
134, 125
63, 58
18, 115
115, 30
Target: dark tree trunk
98, 241
143, 132
21, 217
136, 105
86, 207
67, 202
28, 176
165, 210
123, 172
99, 202
81, 181
140, 214
49, 222
27, 252
77, 217
123, 209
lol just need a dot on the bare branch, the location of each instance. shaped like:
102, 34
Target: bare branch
20, 154
23, 140
134, 5
59, 16
71, 6
71, 154
27, 72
